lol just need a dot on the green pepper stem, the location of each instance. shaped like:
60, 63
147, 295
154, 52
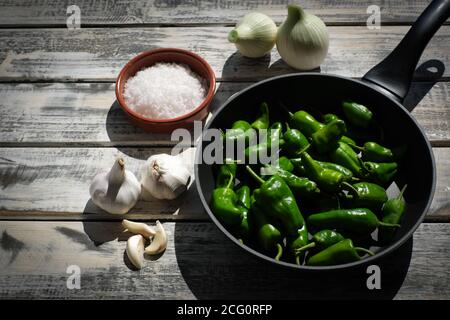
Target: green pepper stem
254, 175
241, 241
305, 247
355, 146
297, 260
350, 187
370, 253
390, 225
230, 181
279, 252
400, 196
287, 126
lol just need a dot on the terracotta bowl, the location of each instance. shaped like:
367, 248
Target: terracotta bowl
149, 58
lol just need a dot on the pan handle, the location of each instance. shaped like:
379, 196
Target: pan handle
395, 72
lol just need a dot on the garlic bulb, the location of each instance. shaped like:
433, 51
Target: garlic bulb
135, 250
117, 190
139, 228
159, 242
302, 40
255, 35
165, 176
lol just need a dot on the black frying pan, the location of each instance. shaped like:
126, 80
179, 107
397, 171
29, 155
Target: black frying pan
382, 89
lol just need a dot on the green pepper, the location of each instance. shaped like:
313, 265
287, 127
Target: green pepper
327, 118
347, 140
224, 205
294, 141
285, 164
345, 156
240, 131
381, 173
342, 252
262, 122
300, 187
392, 212
327, 138
372, 151
336, 167
224, 172
306, 123
243, 201
357, 114
322, 240
277, 200
253, 152
358, 221
367, 195
268, 236
328, 180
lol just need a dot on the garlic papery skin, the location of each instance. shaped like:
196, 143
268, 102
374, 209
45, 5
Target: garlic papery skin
117, 190
302, 40
159, 242
165, 176
255, 35
135, 250
139, 228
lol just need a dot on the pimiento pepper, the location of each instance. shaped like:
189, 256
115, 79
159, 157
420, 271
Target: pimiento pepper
306, 123
300, 187
328, 180
300, 169
276, 199
330, 117
327, 138
243, 194
285, 164
372, 151
262, 122
224, 172
358, 221
357, 114
322, 240
392, 212
367, 195
381, 173
345, 156
240, 131
224, 204
268, 236
294, 141
342, 252
264, 148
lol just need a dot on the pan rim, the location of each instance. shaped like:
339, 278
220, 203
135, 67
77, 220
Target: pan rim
388, 249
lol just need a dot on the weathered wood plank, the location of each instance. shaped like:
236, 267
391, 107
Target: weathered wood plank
45, 183
53, 183
81, 114
32, 12
199, 263
99, 53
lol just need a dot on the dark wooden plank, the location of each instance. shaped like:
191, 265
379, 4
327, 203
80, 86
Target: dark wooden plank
200, 262
53, 183
51, 12
87, 114
98, 54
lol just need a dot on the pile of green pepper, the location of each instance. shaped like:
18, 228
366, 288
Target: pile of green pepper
324, 193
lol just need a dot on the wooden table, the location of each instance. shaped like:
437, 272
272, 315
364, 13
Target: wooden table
60, 124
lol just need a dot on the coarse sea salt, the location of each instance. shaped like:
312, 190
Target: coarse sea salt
165, 91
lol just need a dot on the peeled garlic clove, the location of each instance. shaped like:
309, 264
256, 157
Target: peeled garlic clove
139, 228
135, 250
159, 242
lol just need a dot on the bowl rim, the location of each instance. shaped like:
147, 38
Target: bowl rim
339, 267
206, 101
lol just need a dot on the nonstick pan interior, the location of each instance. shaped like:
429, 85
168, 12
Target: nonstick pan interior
320, 94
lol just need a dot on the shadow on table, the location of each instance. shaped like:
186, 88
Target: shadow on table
214, 268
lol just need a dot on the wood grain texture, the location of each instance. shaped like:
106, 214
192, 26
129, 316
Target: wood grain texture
87, 114
200, 262
156, 12
99, 54
53, 183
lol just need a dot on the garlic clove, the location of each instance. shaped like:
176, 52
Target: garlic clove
159, 242
135, 250
139, 228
